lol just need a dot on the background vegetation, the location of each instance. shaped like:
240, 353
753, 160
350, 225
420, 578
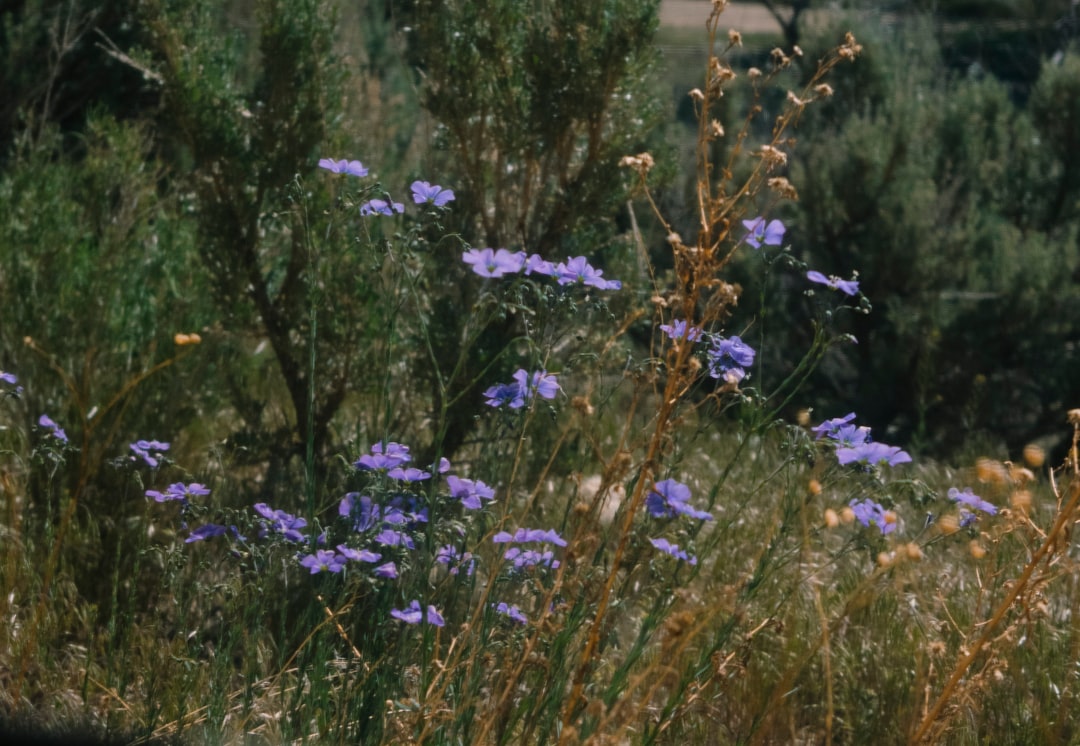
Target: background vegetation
158, 176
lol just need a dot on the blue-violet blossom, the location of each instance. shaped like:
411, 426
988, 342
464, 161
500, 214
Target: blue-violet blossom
423, 192
771, 234
352, 168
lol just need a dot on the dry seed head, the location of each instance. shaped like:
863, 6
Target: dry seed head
803, 417
890, 516
948, 524
697, 95
1034, 455
814, 487
1073, 414
781, 59
180, 339
850, 48
832, 520
913, 551
753, 73
773, 156
581, 404
793, 99
884, 559
988, 470
719, 5
783, 187
716, 129
1020, 475
734, 37
1021, 501
847, 515
823, 90
642, 162
978, 551
797, 50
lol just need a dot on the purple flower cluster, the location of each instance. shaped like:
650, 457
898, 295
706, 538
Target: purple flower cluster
853, 444
422, 192
328, 560
849, 287
381, 207
12, 380
870, 513
412, 614
967, 497
673, 549
384, 456
55, 430
760, 233
469, 492
178, 491
729, 358
150, 451
523, 558
352, 168
523, 388
455, 559
511, 611
669, 498
677, 331
280, 522
574, 271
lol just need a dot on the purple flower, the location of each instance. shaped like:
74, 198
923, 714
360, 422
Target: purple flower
388, 537
516, 394
578, 270
384, 456
55, 430
669, 498
179, 491
511, 611
453, 558
729, 358
424, 192
353, 168
771, 234
673, 549
364, 513
381, 207
677, 331
539, 265
443, 467
494, 263
872, 454
324, 560
850, 287
8, 377
208, 531
830, 428
870, 513
529, 535
409, 474
358, 555
523, 558
469, 492
280, 522
150, 451
967, 497
387, 570
413, 614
